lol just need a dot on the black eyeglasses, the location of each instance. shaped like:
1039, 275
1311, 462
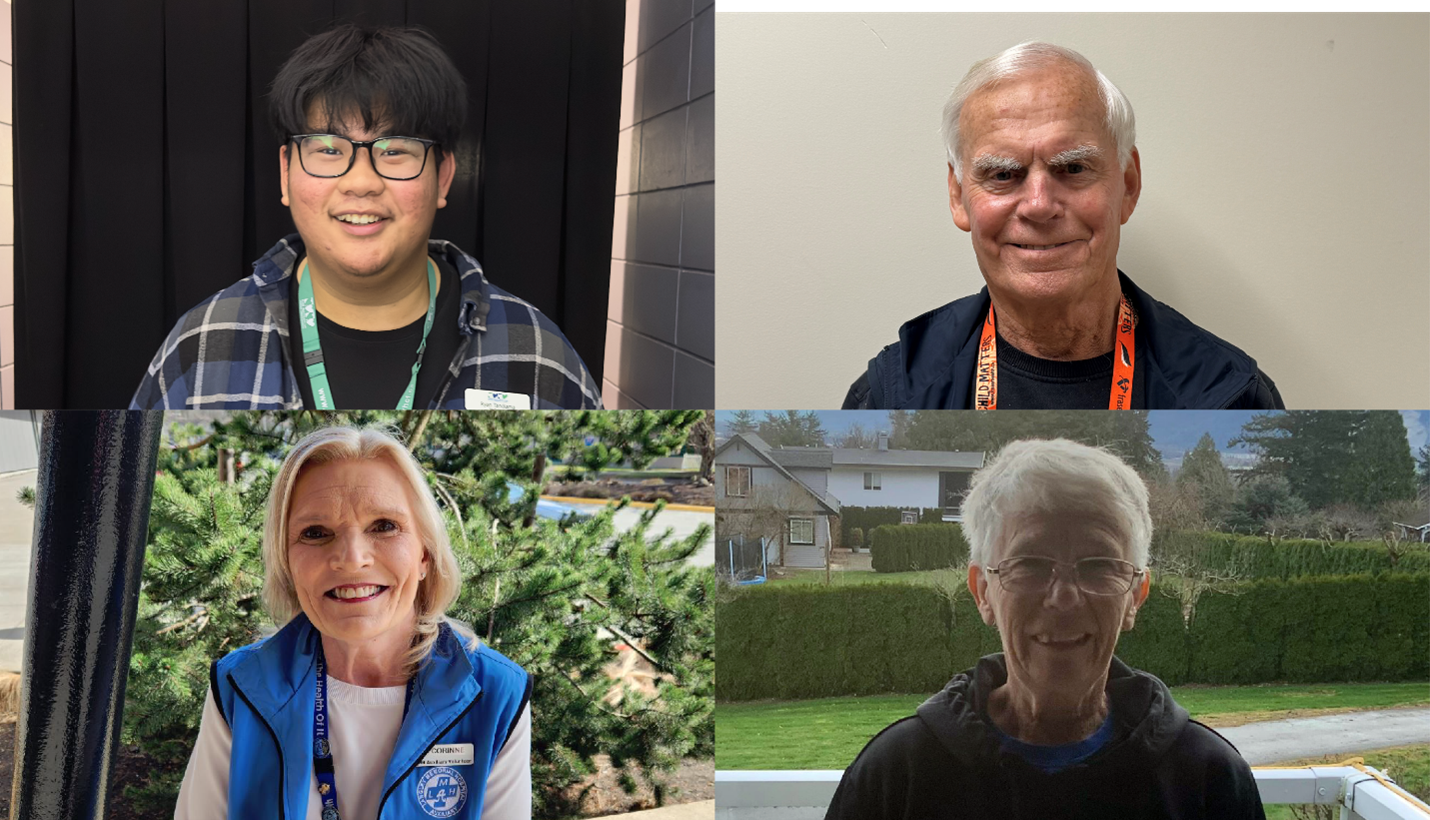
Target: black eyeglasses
1095, 576
329, 155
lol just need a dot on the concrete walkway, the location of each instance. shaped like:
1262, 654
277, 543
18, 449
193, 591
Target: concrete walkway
17, 523
1274, 741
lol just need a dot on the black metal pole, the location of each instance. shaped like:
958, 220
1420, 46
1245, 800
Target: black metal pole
92, 497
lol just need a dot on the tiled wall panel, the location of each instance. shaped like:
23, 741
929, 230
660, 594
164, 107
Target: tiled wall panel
660, 337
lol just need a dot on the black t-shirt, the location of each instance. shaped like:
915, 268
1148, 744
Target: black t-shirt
1026, 381
369, 369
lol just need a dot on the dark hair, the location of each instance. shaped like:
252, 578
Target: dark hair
398, 79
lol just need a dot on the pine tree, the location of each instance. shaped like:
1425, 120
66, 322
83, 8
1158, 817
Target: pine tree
792, 428
552, 596
1423, 466
1203, 470
1124, 433
742, 422
1360, 458
1383, 469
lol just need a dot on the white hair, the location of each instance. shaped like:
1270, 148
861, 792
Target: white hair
1040, 475
1022, 59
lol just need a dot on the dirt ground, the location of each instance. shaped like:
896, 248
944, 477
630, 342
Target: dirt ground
692, 782
654, 489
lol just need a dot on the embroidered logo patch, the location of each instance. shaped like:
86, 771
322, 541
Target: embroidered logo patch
441, 792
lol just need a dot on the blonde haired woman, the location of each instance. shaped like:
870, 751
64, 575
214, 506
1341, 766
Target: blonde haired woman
367, 686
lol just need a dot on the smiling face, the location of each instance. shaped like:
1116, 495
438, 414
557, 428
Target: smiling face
355, 553
404, 210
1042, 194
1058, 644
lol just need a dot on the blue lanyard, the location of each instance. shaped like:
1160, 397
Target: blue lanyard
313, 350
322, 750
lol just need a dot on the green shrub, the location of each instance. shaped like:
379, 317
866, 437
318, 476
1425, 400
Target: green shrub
1258, 557
867, 518
795, 642
806, 641
909, 547
856, 538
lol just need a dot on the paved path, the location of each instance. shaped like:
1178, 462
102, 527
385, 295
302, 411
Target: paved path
1274, 741
682, 521
16, 524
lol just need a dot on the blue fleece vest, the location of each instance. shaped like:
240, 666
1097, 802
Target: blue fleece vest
266, 693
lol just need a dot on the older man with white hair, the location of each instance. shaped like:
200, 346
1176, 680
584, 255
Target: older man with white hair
1054, 725
1043, 171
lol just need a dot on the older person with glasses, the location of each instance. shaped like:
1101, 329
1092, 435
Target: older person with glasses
361, 308
1054, 726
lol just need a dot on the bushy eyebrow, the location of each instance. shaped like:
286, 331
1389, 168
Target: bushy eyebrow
987, 163
1082, 153
993, 163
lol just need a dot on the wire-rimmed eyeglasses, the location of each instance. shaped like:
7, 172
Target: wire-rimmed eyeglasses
331, 155
1094, 576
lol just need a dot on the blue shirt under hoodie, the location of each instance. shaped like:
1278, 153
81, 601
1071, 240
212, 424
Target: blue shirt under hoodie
266, 692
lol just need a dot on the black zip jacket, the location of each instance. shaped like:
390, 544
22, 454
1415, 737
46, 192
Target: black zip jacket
1183, 367
945, 763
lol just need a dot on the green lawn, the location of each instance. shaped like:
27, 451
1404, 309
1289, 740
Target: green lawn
828, 733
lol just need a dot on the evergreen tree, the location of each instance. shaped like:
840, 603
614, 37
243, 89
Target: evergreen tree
551, 596
1382, 469
1261, 500
1423, 466
791, 428
1124, 433
742, 422
1335, 457
1203, 472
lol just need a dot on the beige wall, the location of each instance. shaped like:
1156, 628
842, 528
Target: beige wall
1286, 199
660, 330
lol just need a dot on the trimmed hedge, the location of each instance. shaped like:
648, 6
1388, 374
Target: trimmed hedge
867, 518
1255, 557
797, 641
910, 547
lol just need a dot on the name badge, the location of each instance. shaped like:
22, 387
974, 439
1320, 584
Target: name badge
449, 754
495, 400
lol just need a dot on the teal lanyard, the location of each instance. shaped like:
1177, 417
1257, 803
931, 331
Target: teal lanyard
313, 349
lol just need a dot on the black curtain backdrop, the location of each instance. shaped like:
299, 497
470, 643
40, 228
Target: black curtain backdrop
146, 175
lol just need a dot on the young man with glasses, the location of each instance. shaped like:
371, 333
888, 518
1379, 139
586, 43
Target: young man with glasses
362, 308
1054, 725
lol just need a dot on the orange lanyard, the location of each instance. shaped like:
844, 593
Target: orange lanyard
985, 383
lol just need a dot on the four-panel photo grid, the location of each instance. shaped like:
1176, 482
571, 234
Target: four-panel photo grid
378, 443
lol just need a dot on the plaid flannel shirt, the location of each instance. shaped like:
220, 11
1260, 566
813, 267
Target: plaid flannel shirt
230, 352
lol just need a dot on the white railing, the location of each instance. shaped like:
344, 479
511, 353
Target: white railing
804, 795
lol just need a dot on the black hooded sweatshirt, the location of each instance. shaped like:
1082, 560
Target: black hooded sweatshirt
946, 763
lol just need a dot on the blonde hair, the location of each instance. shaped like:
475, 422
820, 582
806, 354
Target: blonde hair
435, 593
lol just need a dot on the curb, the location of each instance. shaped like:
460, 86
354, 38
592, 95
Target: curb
642, 505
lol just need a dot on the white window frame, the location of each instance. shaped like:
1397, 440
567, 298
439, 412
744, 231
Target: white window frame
873, 480
733, 469
801, 519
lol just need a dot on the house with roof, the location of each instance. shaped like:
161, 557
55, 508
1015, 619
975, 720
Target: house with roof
909, 479
780, 494
1415, 528
792, 496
